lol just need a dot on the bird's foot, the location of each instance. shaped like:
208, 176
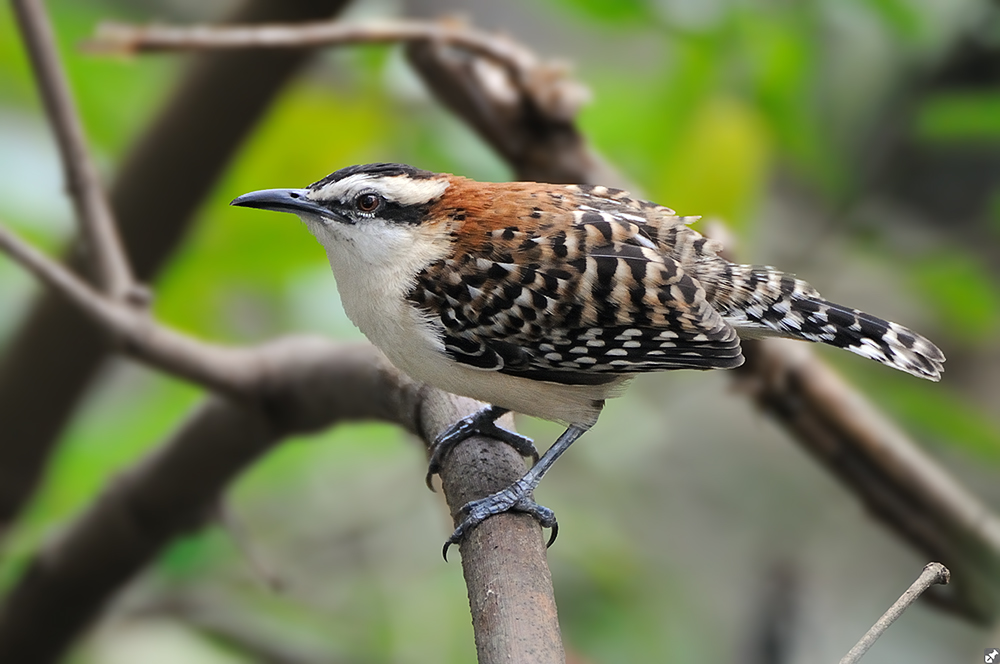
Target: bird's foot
516, 497
481, 422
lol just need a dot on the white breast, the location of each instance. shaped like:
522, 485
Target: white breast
375, 271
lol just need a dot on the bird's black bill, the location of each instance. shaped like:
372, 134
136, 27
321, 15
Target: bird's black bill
281, 200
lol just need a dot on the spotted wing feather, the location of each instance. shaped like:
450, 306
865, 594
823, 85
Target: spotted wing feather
574, 296
759, 300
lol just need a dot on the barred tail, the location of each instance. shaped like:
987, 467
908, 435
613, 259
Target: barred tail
762, 301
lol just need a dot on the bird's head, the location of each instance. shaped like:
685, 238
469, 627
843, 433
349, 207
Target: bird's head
375, 211
357, 195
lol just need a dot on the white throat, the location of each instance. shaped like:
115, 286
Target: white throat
375, 266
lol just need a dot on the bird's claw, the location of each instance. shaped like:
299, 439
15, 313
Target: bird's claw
513, 498
477, 423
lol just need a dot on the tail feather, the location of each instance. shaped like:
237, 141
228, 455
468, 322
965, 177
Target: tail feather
765, 302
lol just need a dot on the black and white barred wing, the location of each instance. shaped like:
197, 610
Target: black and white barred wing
763, 301
581, 304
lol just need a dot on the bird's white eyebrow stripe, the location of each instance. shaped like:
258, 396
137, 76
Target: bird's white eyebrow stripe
400, 189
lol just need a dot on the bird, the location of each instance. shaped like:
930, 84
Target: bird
546, 299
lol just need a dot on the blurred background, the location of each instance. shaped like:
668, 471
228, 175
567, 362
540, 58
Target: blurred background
853, 142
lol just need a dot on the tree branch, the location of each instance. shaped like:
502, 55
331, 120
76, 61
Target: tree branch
531, 125
228, 370
933, 574
108, 261
52, 358
312, 384
545, 84
901, 485
119, 38
514, 613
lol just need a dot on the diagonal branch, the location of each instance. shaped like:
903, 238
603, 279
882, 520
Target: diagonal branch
313, 383
118, 38
530, 125
933, 574
545, 83
899, 483
229, 370
525, 106
108, 261
55, 353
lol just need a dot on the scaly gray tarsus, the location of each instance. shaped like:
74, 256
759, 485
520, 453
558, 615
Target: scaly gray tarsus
517, 496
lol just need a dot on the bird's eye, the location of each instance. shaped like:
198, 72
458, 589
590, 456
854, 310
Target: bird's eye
367, 202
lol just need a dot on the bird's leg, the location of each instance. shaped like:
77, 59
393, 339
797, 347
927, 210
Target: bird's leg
518, 495
481, 422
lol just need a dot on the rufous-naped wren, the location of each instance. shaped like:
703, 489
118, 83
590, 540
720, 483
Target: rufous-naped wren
546, 299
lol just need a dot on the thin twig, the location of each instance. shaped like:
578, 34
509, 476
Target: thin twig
232, 371
117, 38
527, 73
933, 574
55, 354
97, 223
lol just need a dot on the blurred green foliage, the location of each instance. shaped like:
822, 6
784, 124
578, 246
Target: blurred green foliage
963, 289
960, 117
611, 12
734, 93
